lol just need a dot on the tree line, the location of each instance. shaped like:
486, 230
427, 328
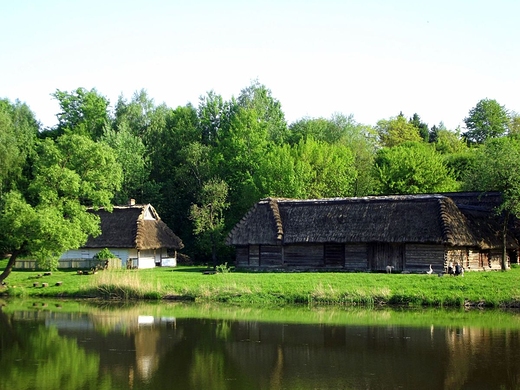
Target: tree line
203, 167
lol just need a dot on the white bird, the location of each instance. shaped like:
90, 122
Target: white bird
430, 271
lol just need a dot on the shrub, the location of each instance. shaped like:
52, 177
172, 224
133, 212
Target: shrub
104, 254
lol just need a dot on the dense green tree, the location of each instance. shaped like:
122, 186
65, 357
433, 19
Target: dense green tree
279, 174
214, 115
343, 130
449, 142
362, 142
18, 134
413, 168
338, 129
182, 189
259, 98
238, 154
397, 130
310, 169
83, 112
459, 163
326, 170
514, 125
316, 128
488, 119
130, 153
166, 137
51, 216
421, 127
208, 215
434, 131
136, 113
496, 167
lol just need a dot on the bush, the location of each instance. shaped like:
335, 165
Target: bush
223, 268
104, 254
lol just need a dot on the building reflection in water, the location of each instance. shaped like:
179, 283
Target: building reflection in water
138, 351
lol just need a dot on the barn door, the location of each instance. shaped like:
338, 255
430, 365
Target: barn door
383, 254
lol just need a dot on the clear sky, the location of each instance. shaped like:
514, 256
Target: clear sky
368, 58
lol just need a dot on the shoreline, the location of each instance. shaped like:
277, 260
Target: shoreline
191, 284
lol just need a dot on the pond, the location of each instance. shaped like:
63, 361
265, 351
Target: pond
95, 345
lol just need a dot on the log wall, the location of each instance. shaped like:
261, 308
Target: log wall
418, 258
304, 256
254, 255
356, 257
414, 258
270, 255
242, 256
334, 255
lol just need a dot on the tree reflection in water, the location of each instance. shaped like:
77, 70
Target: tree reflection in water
37, 357
120, 349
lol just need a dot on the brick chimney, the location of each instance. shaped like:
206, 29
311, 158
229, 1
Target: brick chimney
131, 202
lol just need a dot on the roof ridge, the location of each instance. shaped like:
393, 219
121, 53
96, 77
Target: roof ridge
139, 230
273, 204
447, 231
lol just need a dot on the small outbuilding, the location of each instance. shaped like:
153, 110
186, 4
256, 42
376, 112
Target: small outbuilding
406, 232
134, 233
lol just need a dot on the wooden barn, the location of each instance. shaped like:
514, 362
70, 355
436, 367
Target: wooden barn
135, 234
408, 232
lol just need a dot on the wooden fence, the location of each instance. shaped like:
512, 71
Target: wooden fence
70, 264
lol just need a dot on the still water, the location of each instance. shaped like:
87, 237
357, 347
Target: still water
80, 345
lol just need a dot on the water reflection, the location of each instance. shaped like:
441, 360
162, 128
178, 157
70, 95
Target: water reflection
171, 347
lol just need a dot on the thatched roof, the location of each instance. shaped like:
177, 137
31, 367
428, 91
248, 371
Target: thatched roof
133, 226
428, 219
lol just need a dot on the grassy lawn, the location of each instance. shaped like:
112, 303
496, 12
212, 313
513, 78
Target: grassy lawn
490, 289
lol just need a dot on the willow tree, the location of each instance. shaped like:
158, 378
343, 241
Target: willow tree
50, 216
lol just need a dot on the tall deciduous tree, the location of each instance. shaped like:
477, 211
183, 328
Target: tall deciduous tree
238, 154
259, 98
326, 170
395, 131
18, 134
214, 115
345, 131
83, 112
136, 113
496, 167
413, 168
130, 153
514, 125
488, 119
51, 216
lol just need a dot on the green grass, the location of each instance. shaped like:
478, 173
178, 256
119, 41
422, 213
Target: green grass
486, 289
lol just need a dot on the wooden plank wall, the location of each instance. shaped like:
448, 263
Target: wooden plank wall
242, 256
270, 255
334, 255
254, 255
70, 264
495, 259
380, 255
476, 260
356, 257
418, 258
304, 256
